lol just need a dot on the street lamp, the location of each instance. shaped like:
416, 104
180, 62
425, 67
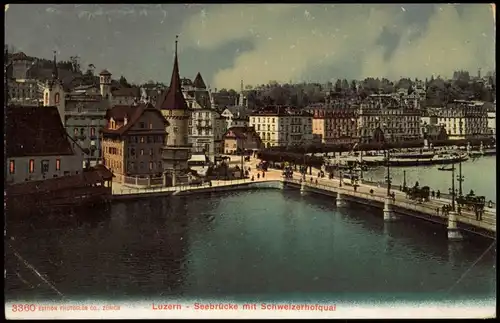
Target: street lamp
460, 178
388, 173
452, 190
404, 180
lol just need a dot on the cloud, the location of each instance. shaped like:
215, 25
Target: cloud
451, 42
290, 39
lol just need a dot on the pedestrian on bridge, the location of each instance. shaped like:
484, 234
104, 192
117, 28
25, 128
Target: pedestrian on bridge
433, 194
438, 194
263, 174
437, 211
258, 175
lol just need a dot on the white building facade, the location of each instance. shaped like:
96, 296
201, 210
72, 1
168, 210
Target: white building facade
282, 126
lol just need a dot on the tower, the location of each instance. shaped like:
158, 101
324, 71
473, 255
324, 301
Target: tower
53, 93
242, 98
177, 150
105, 84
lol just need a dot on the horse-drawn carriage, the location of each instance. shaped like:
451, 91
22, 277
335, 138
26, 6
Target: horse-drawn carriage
471, 202
418, 193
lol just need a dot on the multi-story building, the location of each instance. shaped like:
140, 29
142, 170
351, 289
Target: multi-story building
177, 151
282, 126
492, 120
25, 92
397, 121
38, 146
241, 139
84, 119
132, 142
334, 124
462, 119
205, 126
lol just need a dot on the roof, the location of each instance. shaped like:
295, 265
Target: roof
239, 132
103, 172
35, 131
132, 113
198, 82
59, 183
173, 99
127, 91
105, 72
21, 56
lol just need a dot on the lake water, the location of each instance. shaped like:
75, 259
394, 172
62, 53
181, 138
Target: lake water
247, 245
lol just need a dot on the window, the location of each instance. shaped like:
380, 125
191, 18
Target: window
176, 129
159, 165
32, 166
142, 166
132, 151
45, 166
142, 140
142, 125
57, 98
151, 152
12, 167
58, 164
142, 152
150, 125
92, 131
150, 165
75, 131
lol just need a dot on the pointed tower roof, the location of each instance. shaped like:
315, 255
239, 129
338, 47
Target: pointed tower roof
173, 99
55, 74
198, 82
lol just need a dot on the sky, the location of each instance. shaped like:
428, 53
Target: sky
258, 43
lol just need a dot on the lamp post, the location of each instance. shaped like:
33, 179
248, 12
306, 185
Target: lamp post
404, 180
452, 190
460, 178
388, 174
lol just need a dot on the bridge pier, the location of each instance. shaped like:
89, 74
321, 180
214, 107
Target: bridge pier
303, 189
454, 233
340, 200
389, 214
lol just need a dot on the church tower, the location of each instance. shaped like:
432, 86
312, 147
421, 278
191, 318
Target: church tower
53, 94
105, 84
242, 99
177, 150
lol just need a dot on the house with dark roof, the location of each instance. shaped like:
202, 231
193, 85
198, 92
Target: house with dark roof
236, 116
132, 142
240, 139
38, 146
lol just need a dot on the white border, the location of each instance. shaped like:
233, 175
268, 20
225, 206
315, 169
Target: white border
144, 310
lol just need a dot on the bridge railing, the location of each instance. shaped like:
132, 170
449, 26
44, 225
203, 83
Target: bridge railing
408, 204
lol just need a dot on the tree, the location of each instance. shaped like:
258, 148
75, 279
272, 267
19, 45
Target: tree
354, 87
75, 62
345, 85
338, 86
232, 93
123, 82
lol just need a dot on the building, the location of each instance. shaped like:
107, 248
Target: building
84, 119
25, 92
282, 126
397, 121
174, 108
54, 93
132, 142
121, 96
334, 125
82, 113
236, 116
462, 119
492, 119
240, 139
38, 146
